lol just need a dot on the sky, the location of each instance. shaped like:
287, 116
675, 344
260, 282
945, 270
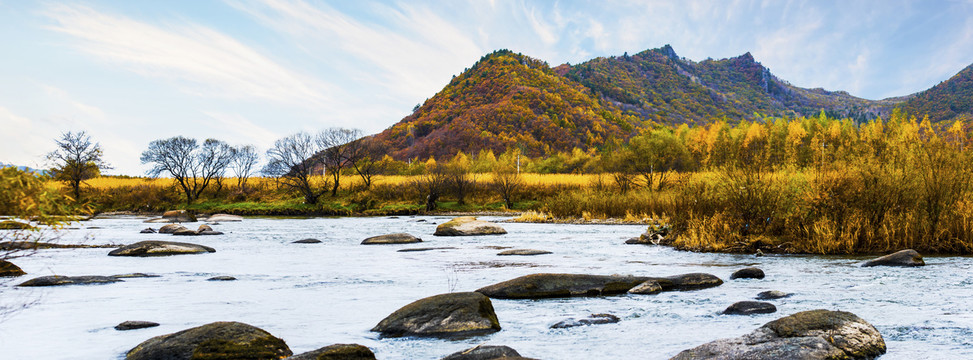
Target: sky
253, 71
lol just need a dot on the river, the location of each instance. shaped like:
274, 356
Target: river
313, 295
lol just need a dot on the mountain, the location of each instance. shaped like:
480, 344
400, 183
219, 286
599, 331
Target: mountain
949, 100
510, 100
507, 100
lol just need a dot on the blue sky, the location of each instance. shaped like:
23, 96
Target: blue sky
252, 71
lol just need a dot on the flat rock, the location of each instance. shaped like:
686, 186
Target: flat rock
536, 286
485, 352
224, 218
15, 225
750, 308
397, 238
902, 258
135, 275
812, 335
171, 228
58, 280
222, 278
772, 294
337, 352
468, 226
160, 248
132, 325
307, 241
646, 288
747, 273
453, 314
427, 249
691, 281
179, 215
219, 340
8, 269
594, 319
524, 252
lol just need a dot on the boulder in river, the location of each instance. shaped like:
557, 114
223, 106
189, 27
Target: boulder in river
815, 334
750, 308
307, 241
8, 269
222, 278
397, 238
219, 340
537, 286
15, 225
57, 280
179, 216
132, 325
747, 273
646, 288
185, 232
903, 258
135, 275
147, 231
337, 352
772, 294
224, 218
467, 226
485, 352
594, 319
160, 248
171, 228
453, 314
524, 252
204, 227
691, 281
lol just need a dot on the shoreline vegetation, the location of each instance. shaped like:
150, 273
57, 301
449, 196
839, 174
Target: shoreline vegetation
803, 185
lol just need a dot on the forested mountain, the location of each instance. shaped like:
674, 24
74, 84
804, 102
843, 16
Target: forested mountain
511, 100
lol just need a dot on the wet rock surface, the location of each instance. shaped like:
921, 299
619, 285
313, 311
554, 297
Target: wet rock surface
453, 314
397, 238
8, 269
160, 248
133, 325
307, 241
747, 273
219, 340
594, 319
772, 294
485, 352
902, 258
468, 226
58, 280
750, 308
337, 352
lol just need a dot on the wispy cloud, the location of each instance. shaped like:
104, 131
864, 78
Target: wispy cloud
89, 111
203, 61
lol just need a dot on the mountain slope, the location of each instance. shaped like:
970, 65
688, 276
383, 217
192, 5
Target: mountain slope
507, 100
949, 100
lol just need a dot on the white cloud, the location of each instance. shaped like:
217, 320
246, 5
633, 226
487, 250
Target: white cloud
23, 141
89, 111
242, 129
203, 61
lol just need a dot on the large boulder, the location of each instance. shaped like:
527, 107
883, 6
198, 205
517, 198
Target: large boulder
467, 226
337, 352
772, 294
750, 308
57, 280
224, 218
15, 225
171, 228
747, 273
807, 335
904, 258
160, 248
691, 281
537, 286
485, 352
8, 269
453, 314
646, 288
397, 238
219, 340
179, 216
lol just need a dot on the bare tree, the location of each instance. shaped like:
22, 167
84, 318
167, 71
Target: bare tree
192, 166
76, 159
362, 152
460, 181
506, 180
292, 161
338, 152
245, 158
432, 183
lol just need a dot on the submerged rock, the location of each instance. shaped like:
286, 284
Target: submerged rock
537, 286
219, 340
337, 352
453, 314
427, 249
307, 241
594, 319
485, 352
224, 218
147, 231
160, 248
135, 275
57, 280
397, 238
816, 334
524, 252
691, 281
132, 325
904, 258
646, 288
749, 308
468, 226
222, 278
772, 294
747, 273
8, 269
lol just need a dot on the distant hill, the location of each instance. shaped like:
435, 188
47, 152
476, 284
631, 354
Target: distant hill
508, 99
24, 168
951, 99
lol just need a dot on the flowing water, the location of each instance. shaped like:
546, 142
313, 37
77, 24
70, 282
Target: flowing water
313, 295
